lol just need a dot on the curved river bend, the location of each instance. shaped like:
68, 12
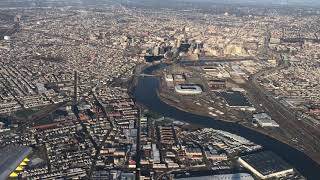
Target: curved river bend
145, 93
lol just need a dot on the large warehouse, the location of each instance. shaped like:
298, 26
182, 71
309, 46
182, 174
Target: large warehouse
236, 176
265, 165
264, 120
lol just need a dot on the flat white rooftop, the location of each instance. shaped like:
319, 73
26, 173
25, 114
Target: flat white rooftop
237, 176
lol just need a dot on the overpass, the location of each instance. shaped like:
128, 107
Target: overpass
145, 75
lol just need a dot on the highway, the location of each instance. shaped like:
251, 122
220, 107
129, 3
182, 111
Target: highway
145, 75
138, 157
98, 147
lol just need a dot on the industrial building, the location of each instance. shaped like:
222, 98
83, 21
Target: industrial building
217, 84
193, 151
169, 77
188, 89
265, 165
179, 78
7, 38
237, 176
13, 158
264, 120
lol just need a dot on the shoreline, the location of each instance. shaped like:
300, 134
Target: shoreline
309, 169
280, 139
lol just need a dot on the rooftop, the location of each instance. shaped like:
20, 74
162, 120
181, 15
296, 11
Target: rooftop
266, 162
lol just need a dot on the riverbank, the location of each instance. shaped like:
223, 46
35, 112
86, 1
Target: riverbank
197, 110
145, 92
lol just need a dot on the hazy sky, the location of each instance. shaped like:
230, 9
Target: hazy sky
306, 2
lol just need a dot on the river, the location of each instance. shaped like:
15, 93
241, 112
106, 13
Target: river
145, 93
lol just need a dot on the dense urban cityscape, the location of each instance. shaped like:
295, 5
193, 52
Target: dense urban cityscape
138, 90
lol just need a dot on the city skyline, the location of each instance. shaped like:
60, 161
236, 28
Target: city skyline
159, 90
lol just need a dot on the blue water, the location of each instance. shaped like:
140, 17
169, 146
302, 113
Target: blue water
146, 94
